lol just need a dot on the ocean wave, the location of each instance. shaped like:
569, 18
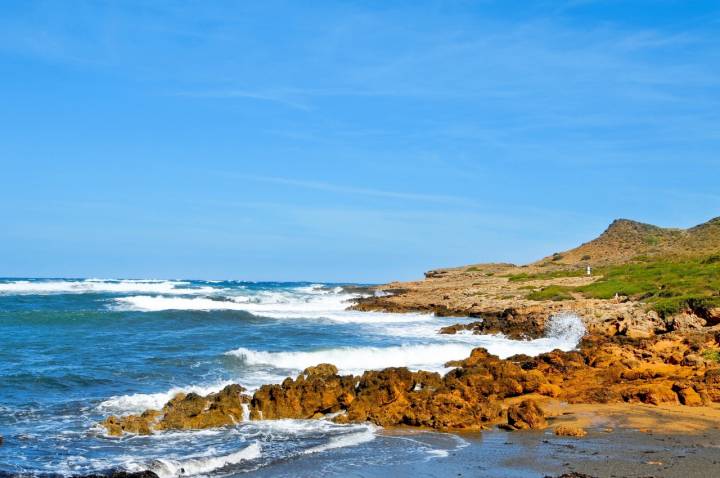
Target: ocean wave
216, 457
343, 441
331, 306
564, 331
139, 402
46, 287
170, 468
355, 360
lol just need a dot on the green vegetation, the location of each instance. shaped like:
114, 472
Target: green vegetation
546, 275
553, 292
667, 286
711, 354
713, 259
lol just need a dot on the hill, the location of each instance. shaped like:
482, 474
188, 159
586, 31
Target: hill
627, 241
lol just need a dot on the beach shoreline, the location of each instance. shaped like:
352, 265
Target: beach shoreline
613, 447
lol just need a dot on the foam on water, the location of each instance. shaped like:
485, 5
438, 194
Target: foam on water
190, 349
563, 332
342, 441
331, 306
355, 360
170, 468
45, 287
139, 402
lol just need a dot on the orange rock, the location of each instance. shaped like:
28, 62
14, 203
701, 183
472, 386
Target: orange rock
687, 394
526, 414
568, 431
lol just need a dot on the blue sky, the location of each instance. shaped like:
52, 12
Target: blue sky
346, 141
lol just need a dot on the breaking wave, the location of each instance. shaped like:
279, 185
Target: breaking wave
170, 468
355, 360
139, 402
331, 306
46, 287
563, 332
342, 441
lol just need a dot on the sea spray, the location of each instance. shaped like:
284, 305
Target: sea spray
563, 331
171, 468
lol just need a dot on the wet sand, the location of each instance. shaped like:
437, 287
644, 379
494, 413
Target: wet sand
622, 441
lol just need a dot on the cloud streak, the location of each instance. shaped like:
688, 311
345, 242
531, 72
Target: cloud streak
358, 191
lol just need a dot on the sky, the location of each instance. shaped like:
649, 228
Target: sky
346, 141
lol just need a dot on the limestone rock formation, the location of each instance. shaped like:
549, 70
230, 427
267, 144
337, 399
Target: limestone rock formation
526, 415
481, 391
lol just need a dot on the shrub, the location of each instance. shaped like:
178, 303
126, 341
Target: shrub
712, 355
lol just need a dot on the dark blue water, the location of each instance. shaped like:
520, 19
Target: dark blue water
74, 352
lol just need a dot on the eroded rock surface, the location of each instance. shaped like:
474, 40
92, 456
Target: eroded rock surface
185, 411
482, 391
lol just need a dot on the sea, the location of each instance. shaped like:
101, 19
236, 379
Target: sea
74, 351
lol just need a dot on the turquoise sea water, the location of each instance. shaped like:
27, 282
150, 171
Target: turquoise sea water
73, 352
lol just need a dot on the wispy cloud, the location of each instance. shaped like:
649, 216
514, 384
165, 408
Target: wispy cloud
271, 96
358, 191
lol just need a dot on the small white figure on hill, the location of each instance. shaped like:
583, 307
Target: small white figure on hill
589, 270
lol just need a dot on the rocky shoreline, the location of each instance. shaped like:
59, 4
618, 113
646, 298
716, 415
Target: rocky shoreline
483, 391
630, 357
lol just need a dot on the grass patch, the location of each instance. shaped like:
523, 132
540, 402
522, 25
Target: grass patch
712, 355
524, 276
667, 286
552, 292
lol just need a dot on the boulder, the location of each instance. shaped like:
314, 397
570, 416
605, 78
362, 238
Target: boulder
122, 474
713, 316
136, 424
687, 394
570, 431
711, 380
185, 411
526, 415
193, 411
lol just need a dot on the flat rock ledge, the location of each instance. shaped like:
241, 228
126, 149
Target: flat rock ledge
483, 390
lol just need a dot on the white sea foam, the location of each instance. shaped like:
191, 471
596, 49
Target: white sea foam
170, 468
564, 332
342, 441
45, 287
331, 306
139, 402
355, 360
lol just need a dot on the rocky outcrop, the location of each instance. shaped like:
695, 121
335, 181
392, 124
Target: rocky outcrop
122, 474
501, 307
481, 391
185, 411
517, 326
314, 393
